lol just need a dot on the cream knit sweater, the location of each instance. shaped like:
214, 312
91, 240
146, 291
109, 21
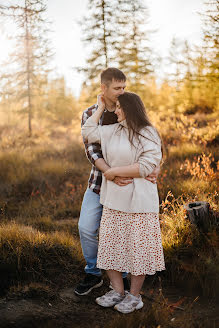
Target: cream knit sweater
141, 196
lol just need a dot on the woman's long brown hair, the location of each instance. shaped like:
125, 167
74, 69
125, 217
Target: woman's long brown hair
135, 114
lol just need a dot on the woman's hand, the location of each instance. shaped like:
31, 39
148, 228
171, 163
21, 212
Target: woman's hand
154, 175
110, 174
101, 102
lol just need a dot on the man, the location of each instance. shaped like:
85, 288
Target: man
113, 83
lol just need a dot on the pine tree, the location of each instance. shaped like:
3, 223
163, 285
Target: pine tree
207, 61
211, 39
174, 62
117, 36
29, 63
98, 32
133, 52
60, 105
211, 35
189, 79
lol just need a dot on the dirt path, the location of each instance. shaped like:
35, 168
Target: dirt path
64, 309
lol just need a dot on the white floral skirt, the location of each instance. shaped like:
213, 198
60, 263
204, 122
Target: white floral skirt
130, 242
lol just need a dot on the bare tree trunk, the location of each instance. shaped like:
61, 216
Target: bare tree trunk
27, 45
104, 34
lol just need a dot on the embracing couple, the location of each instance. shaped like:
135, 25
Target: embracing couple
121, 201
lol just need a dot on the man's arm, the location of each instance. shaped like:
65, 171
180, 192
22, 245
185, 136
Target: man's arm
102, 165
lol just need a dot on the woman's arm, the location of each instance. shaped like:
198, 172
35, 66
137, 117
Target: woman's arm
151, 154
131, 171
149, 158
100, 109
90, 130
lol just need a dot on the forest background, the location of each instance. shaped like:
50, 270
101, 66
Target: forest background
43, 168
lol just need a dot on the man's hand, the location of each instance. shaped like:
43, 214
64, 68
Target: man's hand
122, 181
153, 176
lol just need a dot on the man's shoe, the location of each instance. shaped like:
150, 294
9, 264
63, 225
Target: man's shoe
110, 299
129, 304
125, 283
90, 282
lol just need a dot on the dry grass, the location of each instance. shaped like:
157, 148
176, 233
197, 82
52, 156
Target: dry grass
40, 182
191, 256
28, 255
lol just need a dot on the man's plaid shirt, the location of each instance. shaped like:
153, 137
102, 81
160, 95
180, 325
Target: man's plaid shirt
93, 151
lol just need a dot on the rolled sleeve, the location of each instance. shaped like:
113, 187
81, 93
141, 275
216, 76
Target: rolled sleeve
90, 131
150, 155
148, 162
93, 152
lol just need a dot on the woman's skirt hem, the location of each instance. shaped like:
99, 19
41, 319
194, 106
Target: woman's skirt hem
134, 273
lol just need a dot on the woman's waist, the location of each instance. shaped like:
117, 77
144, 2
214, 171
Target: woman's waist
137, 197
138, 185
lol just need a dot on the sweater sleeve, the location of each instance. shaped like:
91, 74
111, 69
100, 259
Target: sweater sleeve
91, 131
93, 150
150, 155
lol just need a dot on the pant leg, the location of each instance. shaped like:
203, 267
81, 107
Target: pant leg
89, 222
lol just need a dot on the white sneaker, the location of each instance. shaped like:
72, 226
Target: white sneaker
129, 304
111, 298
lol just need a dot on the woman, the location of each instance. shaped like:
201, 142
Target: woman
130, 239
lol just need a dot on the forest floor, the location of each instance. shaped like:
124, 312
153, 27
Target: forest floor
164, 306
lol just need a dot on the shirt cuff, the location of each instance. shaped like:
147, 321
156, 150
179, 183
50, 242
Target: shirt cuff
96, 156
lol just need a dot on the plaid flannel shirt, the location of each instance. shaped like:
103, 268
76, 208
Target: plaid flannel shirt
93, 151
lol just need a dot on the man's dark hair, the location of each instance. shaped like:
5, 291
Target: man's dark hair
110, 74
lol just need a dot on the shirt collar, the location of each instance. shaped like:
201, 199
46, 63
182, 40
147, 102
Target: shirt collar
124, 123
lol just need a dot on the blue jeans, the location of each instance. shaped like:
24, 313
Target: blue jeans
89, 223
